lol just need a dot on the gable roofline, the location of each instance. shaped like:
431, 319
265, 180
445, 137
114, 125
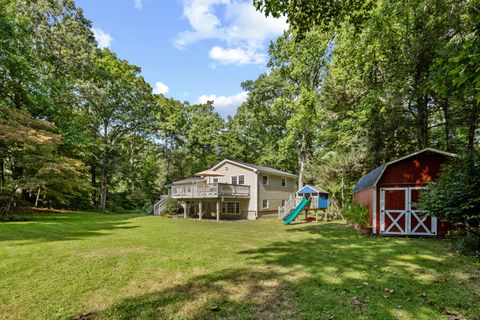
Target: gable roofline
384, 166
254, 168
313, 190
221, 163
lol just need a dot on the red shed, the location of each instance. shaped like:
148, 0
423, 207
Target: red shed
391, 190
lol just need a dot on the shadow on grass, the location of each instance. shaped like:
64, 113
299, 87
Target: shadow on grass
60, 227
228, 294
334, 274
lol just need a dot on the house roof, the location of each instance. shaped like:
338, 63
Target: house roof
255, 168
309, 189
371, 179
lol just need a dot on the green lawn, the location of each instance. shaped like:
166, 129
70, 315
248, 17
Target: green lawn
131, 266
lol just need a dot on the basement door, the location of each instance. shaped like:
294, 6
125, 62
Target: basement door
399, 215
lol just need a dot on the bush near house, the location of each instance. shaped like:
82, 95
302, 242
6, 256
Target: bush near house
171, 207
455, 197
356, 213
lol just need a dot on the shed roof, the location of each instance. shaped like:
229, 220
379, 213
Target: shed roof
309, 189
371, 179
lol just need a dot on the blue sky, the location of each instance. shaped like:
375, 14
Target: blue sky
193, 50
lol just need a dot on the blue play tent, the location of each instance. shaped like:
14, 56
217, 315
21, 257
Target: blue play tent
319, 197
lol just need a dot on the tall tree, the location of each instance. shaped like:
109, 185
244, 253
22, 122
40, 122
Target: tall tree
303, 64
119, 102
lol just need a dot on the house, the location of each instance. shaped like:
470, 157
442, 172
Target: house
233, 190
391, 190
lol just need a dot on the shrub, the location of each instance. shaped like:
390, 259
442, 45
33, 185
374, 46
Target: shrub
470, 246
172, 206
455, 196
357, 213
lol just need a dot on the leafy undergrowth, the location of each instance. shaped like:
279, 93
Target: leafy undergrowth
94, 266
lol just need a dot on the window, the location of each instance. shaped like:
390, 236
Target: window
265, 204
231, 207
284, 182
265, 180
215, 180
238, 179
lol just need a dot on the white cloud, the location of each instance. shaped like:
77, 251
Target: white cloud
160, 88
240, 27
103, 39
236, 56
139, 3
225, 105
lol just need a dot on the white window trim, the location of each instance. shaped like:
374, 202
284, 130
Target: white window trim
238, 179
286, 183
268, 180
224, 206
263, 204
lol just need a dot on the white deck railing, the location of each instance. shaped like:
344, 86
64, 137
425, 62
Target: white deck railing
160, 205
213, 190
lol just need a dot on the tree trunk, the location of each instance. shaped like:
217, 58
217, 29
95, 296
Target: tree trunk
2, 173
472, 128
422, 105
104, 168
103, 183
93, 173
342, 205
449, 125
302, 159
132, 168
38, 196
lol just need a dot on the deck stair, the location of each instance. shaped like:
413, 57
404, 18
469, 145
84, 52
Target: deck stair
160, 205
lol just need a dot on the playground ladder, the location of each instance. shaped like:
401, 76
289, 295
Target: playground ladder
288, 207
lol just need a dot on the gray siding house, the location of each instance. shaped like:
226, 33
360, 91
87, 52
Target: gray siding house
232, 190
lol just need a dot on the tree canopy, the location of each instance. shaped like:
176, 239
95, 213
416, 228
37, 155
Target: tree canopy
350, 85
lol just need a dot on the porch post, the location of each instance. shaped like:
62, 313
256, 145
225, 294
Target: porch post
218, 210
200, 210
185, 208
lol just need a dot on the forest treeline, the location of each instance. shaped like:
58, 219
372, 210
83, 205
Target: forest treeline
352, 84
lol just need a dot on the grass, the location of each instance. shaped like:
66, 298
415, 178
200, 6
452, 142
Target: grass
94, 266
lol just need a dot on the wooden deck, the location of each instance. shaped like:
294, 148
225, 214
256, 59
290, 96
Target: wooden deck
211, 191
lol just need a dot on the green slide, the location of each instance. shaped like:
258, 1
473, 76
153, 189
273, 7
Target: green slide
296, 211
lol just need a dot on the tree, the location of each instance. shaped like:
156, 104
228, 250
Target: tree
254, 133
202, 141
302, 63
304, 15
30, 149
455, 196
118, 102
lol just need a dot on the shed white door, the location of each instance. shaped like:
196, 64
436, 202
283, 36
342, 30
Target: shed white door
399, 215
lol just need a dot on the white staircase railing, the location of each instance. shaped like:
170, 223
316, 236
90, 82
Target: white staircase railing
288, 207
159, 206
